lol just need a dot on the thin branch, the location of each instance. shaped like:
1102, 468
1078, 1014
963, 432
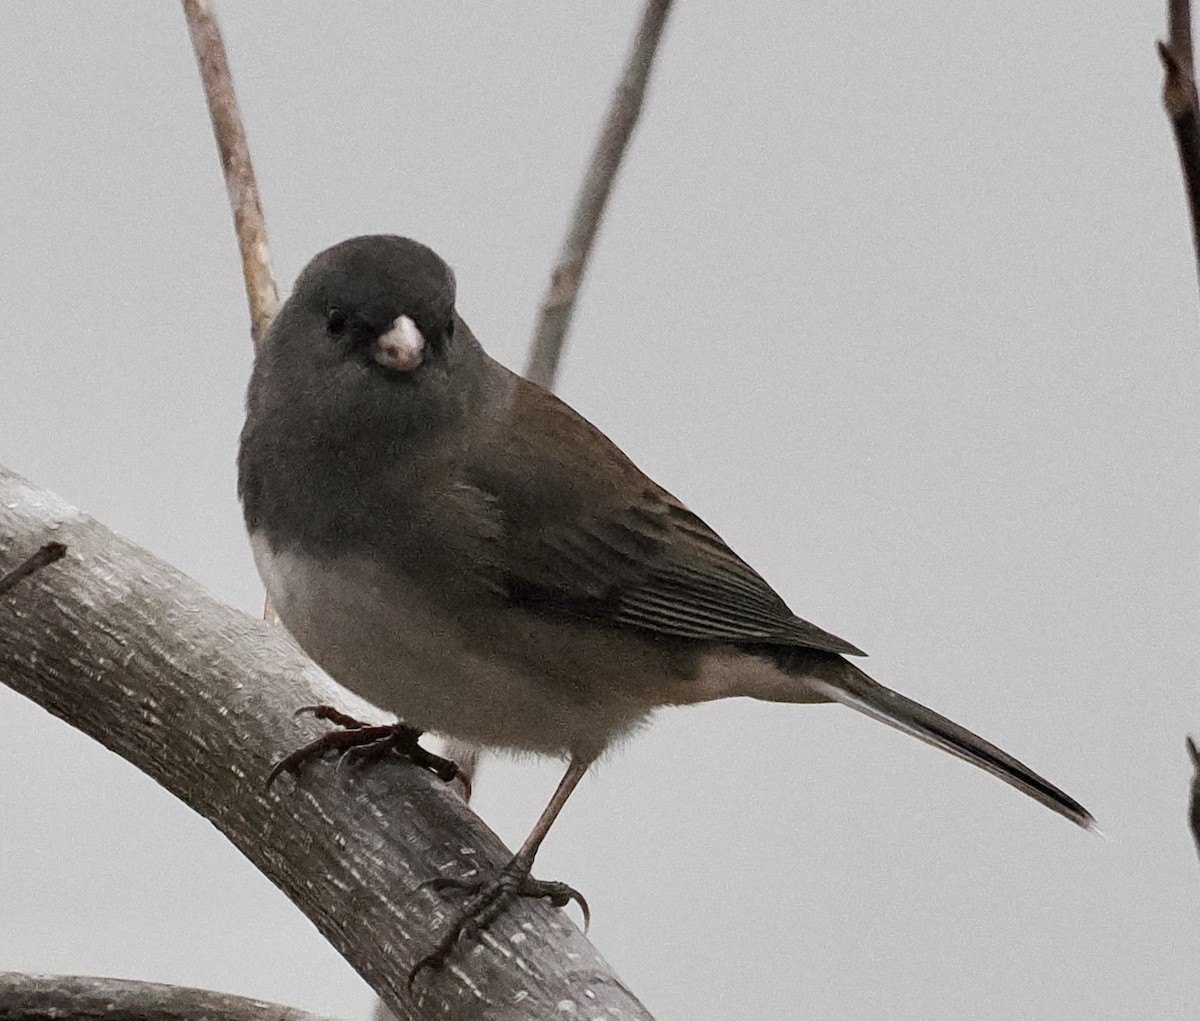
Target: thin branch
1194, 811
201, 698
44, 557
248, 222
1179, 31
67, 997
1183, 108
559, 302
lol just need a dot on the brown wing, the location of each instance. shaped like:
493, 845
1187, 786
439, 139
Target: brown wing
585, 533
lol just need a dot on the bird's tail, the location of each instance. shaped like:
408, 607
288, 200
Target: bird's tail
841, 681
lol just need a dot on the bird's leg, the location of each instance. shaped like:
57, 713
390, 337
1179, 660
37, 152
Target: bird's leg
490, 897
362, 743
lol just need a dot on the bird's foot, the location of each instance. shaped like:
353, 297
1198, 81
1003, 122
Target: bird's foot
487, 899
362, 743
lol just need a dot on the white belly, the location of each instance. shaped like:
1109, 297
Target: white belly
405, 654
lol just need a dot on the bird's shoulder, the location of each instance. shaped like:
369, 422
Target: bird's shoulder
583, 531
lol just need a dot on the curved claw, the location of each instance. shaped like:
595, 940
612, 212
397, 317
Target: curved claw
292, 763
587, 912
328, 712
307, 710
282, 766
434, 959
558, 894
572, 894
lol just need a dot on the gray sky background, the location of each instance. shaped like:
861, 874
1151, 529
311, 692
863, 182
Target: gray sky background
900, 297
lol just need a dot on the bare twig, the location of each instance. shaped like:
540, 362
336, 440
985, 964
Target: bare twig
70, 997
1179, 98
45, 556
1194, 812
248, 222
559, 303
1183, 107
200, 697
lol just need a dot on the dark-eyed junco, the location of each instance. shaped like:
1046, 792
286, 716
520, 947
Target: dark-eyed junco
459, 547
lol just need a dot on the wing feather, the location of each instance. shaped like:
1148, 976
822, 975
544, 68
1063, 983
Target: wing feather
584, 532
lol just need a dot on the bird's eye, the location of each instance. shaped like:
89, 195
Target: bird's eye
336, 322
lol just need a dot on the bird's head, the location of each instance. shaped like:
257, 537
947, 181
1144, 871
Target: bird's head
383, 301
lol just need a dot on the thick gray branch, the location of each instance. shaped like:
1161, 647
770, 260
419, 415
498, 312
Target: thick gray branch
80, 998
200, 697
559, 303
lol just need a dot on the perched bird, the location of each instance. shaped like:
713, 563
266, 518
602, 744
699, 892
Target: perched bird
459, 547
